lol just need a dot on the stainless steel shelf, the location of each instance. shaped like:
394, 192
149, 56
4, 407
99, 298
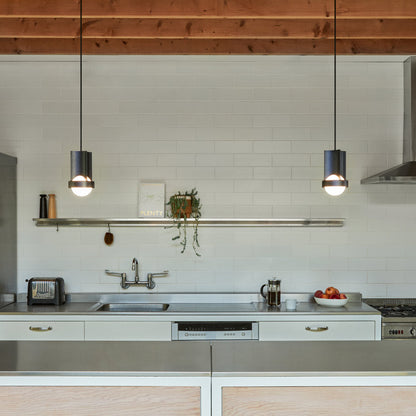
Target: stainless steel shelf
203, 222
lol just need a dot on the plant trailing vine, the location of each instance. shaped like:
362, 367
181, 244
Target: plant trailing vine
183, 206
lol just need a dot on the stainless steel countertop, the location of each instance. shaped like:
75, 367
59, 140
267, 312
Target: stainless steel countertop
303, 308
313, 358
101, 358
189, 304
78, 308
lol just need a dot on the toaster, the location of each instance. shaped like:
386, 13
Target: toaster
45, 291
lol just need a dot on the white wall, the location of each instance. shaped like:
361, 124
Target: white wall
248, 132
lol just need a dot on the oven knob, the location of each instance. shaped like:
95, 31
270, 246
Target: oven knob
413, 332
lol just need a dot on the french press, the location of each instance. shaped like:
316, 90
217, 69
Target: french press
273, 292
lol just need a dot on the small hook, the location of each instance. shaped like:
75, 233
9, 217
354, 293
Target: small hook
108, 225
57, 227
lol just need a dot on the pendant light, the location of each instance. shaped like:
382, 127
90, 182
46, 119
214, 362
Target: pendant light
81, 182
335, 181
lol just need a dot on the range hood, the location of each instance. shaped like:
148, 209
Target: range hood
406, 172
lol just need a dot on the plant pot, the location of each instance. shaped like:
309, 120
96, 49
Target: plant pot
182, 207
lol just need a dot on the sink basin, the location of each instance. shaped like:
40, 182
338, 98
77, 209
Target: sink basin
133, 307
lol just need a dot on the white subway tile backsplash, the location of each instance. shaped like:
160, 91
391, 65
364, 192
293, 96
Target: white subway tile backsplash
272, 146
234, 172
272, 173
254, 134
253, 211
195, 146
176, 160
273, 199
249, 133
291, 212
400, 291
214, 159
235, 146
252, 186
195, 172
283, 159
218, 133
252, 159
292, 186
306, 172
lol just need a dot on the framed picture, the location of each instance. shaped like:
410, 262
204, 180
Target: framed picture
151, 200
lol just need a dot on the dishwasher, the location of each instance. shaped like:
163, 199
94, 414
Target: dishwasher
208, 330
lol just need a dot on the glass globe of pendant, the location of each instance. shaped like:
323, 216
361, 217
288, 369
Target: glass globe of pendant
81, 190
337, 189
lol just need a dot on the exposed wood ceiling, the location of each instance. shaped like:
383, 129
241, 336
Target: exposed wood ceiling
207, 26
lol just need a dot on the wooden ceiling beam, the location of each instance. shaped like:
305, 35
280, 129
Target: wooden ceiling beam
321, 8
112, 8
208, 26
155, 28
206, 46
228, 8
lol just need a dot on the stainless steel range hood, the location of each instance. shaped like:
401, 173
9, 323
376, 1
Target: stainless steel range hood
406, 172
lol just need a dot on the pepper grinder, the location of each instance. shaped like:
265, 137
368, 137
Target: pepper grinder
52, 206
43, 207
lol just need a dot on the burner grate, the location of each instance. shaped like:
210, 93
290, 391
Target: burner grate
390, 301
395, 307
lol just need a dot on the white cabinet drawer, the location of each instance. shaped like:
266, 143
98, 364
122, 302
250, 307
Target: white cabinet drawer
317, 331
127, 331
42, 331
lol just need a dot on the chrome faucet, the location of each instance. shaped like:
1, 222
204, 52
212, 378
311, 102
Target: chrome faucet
135, 268
149, 282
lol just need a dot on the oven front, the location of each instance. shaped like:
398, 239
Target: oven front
398, 330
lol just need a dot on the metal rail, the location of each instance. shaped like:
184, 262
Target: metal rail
203, 222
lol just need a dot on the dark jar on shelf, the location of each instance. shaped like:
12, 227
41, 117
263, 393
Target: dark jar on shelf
43, 207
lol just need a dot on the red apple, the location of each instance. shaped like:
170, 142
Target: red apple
318, 293
342, 296
331, 291
334, 296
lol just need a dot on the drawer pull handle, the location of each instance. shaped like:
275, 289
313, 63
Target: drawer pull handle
40, 328
317, 328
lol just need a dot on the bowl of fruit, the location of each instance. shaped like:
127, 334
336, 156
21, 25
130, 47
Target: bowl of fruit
331, 297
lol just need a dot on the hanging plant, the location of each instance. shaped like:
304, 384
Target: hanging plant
182, 207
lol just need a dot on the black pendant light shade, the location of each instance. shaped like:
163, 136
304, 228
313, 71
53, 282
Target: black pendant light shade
334, 181
81, 182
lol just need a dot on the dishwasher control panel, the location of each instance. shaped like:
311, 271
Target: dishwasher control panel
191, 331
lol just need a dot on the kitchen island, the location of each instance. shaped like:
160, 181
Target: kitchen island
310, 378
247, 378
104, 378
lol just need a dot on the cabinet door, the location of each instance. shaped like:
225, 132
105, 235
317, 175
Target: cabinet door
100, 401
324, 401
127, 331
41, 331
317, 331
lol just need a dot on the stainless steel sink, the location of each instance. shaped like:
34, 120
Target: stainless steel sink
133, 307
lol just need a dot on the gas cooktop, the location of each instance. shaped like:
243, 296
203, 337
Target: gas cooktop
390, 311
398, 316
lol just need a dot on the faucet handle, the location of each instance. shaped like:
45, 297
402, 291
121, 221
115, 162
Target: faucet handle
150, 283
161, 274
116, 274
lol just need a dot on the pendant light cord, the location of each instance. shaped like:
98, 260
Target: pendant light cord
335, 74
80, 75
